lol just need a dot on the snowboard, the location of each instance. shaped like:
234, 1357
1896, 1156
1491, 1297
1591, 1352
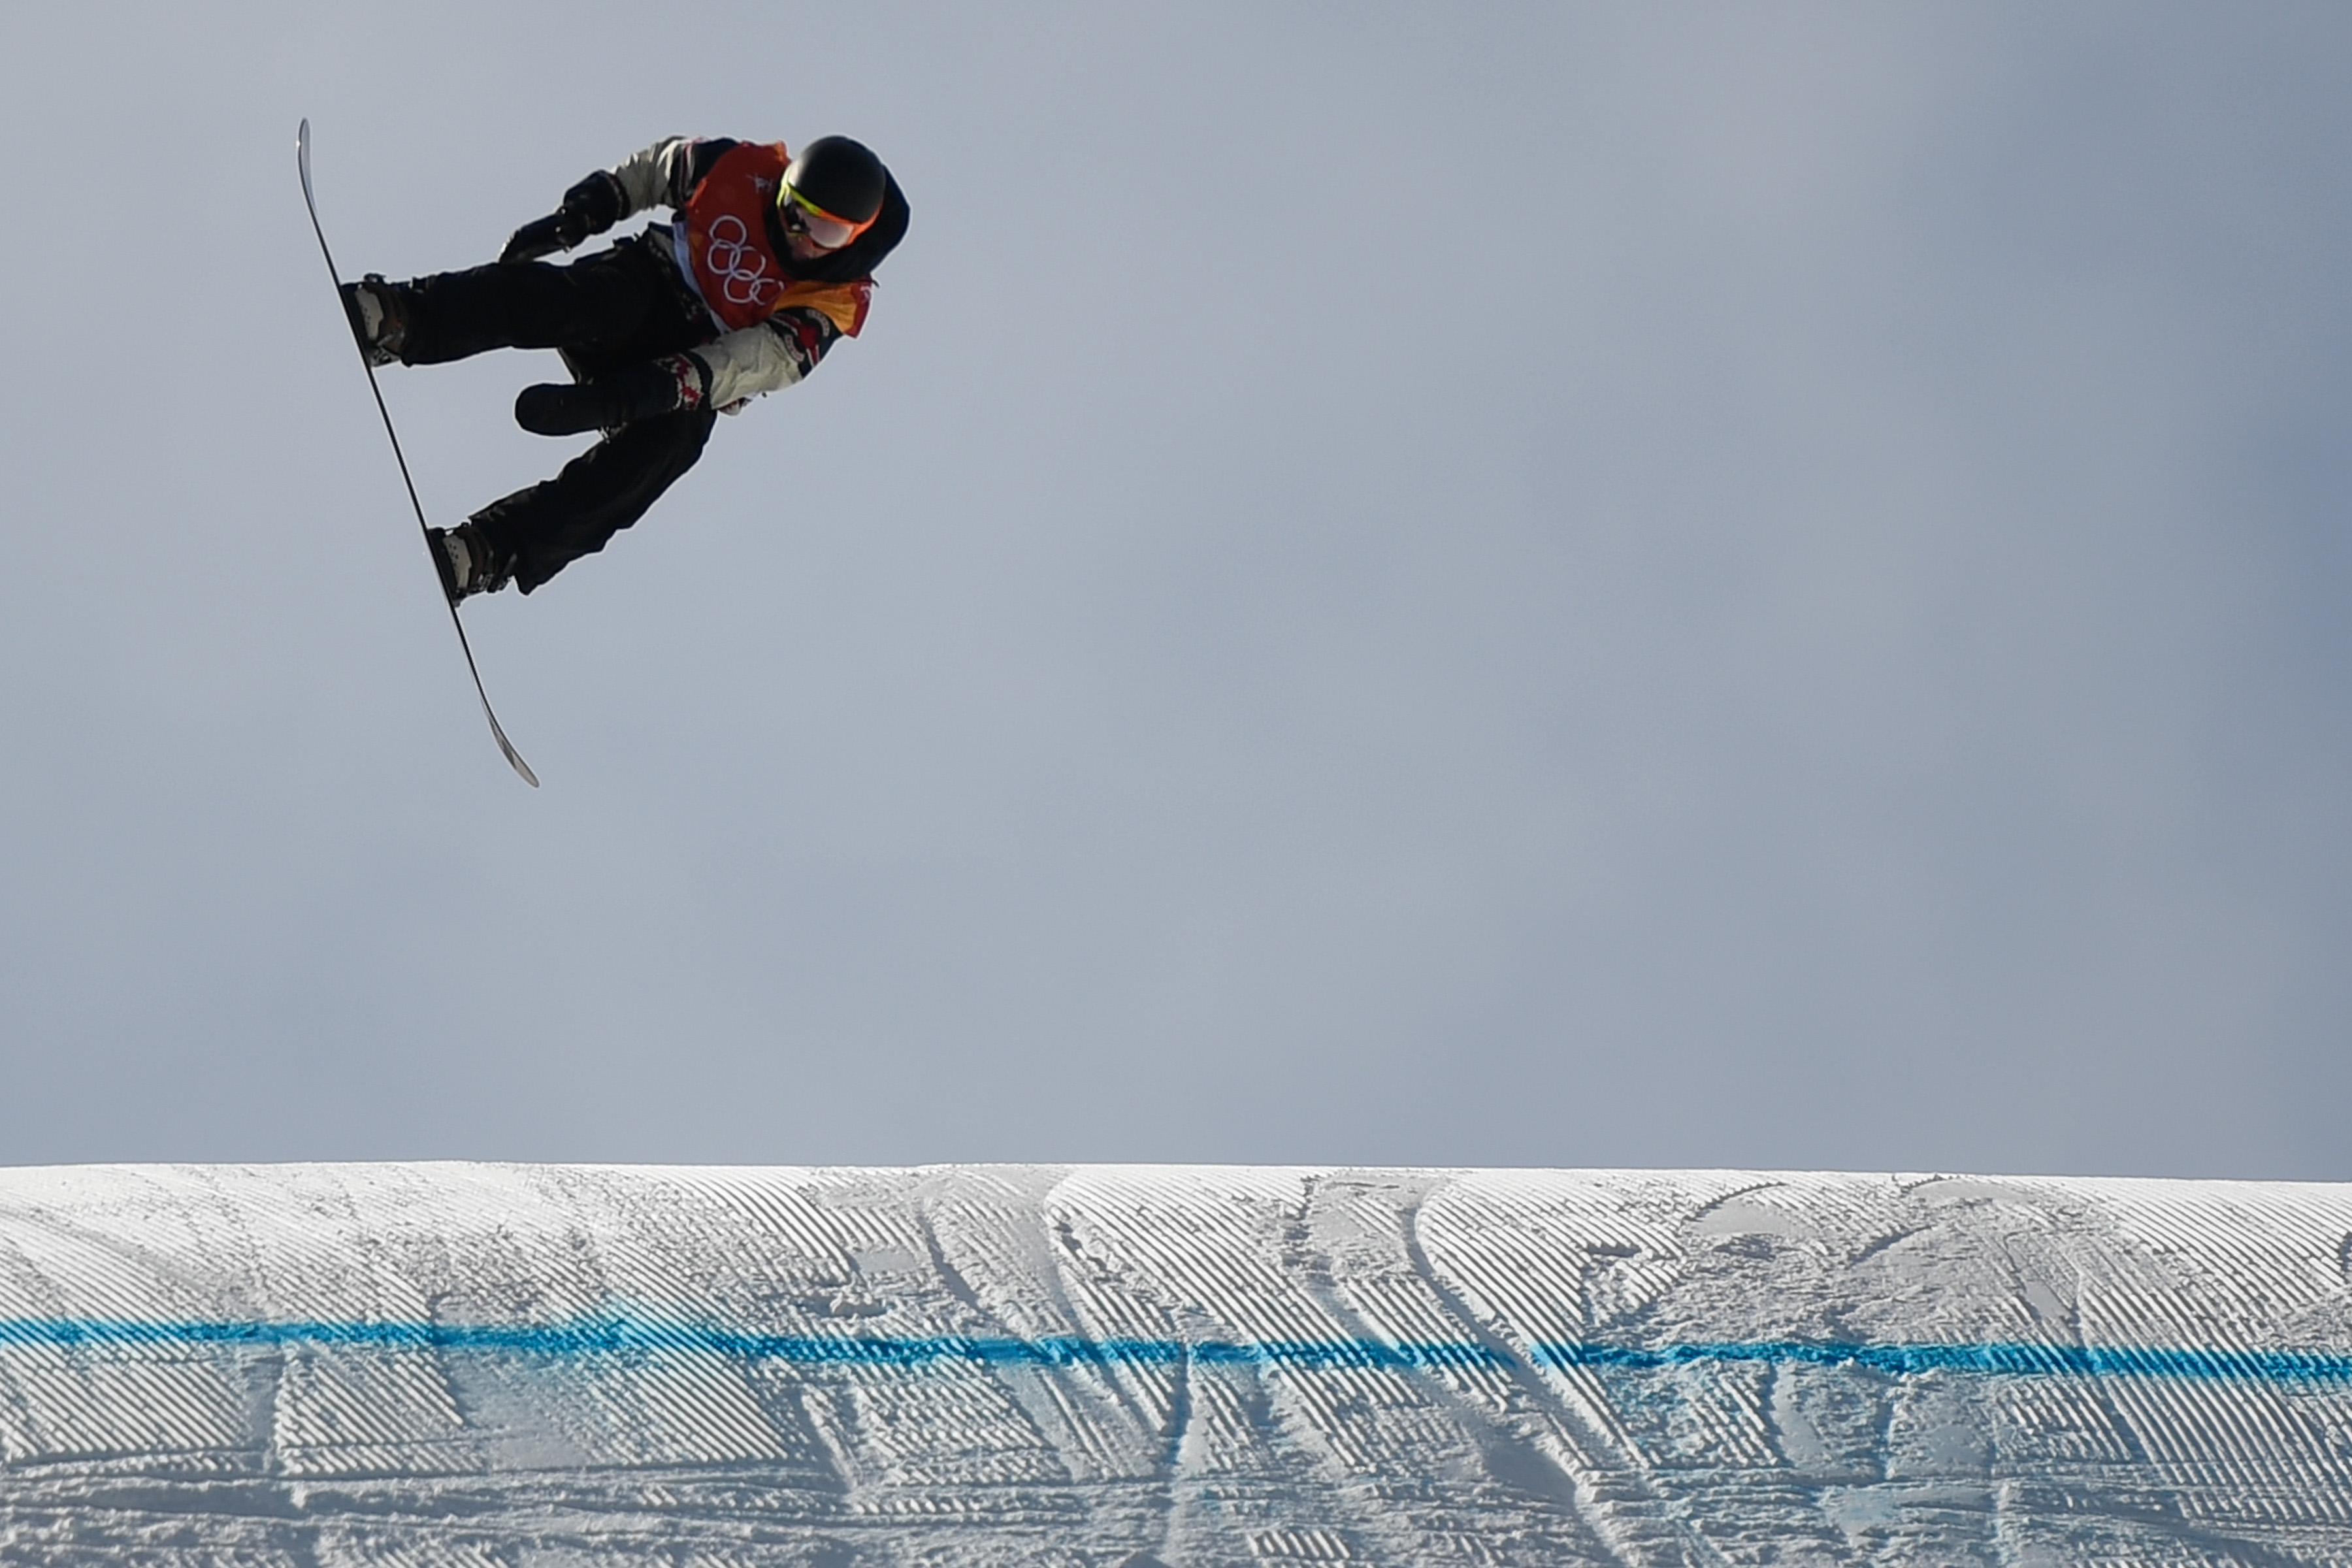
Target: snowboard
514, 758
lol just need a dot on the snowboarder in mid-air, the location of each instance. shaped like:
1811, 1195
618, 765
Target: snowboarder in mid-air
769, 259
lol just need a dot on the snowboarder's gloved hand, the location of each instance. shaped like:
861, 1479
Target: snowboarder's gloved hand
591, 207
609, 402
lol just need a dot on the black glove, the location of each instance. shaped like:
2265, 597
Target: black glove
543, 236
612, 401
591, 207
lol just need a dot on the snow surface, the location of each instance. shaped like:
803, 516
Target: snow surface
478, 1364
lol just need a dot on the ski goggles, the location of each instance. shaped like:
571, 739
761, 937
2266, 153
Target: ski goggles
822, 227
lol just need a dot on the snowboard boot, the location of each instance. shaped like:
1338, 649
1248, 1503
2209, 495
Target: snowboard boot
466, 562
378, 320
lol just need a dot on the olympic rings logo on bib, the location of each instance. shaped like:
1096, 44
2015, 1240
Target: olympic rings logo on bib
736, 265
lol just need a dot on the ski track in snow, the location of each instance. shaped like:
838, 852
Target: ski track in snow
472, 1365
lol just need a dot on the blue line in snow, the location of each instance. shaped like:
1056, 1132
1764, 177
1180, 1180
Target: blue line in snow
636, 1335
2011, 1360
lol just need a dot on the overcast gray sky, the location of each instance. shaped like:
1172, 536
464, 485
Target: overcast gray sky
1541, 584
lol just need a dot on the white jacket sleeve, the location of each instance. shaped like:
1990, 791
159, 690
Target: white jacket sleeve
652, 178
745, 363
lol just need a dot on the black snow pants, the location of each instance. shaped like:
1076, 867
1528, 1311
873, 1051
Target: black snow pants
606, 312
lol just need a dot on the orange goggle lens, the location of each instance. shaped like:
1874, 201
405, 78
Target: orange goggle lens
819, 224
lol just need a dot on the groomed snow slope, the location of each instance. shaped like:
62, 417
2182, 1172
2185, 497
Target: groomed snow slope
485, 1364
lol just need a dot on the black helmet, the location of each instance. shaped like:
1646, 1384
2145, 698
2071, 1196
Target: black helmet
837, 184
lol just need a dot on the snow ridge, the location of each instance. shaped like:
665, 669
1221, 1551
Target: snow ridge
461, 1364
